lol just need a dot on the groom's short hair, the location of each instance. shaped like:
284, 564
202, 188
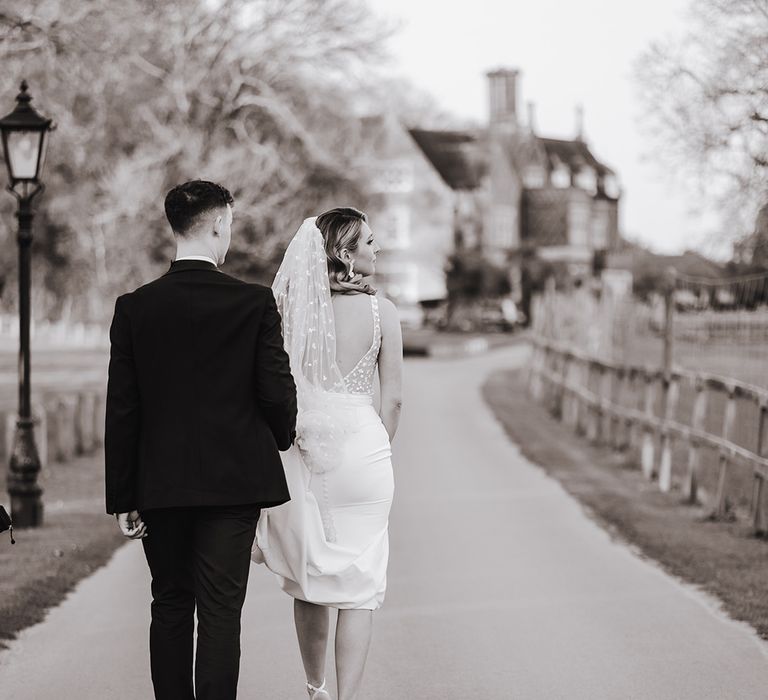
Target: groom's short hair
186, 203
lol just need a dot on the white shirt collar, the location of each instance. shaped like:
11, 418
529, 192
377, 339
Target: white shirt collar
204, 258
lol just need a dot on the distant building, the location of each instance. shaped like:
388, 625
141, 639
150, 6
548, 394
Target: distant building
549, 195
502, 188
753, 249
417, 205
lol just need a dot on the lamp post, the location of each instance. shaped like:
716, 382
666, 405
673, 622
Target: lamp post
25, 135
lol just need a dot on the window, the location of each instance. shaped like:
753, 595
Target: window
611, 186
586, 179
561, 176
600, 226
578, 223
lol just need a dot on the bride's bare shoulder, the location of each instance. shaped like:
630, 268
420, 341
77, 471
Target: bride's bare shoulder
386, 306
388, 312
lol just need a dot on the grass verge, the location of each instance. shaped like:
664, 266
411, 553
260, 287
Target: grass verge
723, 558
77, 538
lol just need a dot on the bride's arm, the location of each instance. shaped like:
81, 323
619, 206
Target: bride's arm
390, 366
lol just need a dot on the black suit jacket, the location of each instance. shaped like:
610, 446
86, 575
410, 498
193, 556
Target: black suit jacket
200, 395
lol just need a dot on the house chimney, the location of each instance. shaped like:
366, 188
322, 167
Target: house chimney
531, 117
502, 87
579, 122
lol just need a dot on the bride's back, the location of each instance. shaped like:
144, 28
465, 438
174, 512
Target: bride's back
354, 329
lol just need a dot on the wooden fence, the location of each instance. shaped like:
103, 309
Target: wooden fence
68, 423
640, 408
58, 334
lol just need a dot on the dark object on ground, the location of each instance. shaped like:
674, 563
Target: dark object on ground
6, 523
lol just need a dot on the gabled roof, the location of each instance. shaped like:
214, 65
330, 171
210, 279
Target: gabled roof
458, 156
575, 154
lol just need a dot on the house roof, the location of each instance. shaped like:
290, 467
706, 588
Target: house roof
639, 260
457, 156
575, 154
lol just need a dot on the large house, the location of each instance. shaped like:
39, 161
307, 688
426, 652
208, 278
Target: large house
550, 195
411, 211
503, 189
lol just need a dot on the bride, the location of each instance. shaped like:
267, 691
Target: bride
329, 545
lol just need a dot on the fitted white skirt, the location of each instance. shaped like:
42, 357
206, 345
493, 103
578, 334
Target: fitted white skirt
329, 544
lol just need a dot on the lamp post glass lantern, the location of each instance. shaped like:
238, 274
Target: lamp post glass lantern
25, 134
25, 138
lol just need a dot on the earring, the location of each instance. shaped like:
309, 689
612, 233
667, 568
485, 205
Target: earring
351, 272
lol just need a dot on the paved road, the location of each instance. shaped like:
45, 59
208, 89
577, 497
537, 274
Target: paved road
499, 587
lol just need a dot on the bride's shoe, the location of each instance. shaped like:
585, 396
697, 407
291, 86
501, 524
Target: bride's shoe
318, 693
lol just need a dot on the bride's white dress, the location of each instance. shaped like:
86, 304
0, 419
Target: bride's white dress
329, 544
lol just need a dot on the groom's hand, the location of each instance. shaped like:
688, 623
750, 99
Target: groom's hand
131, 525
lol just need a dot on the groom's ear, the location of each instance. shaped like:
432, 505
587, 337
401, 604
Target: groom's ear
217, 225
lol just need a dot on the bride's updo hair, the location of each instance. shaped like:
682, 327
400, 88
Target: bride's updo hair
341, 229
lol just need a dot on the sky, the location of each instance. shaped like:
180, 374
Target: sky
569, 53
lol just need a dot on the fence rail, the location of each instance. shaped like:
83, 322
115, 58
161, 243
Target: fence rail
640, 407
63, 334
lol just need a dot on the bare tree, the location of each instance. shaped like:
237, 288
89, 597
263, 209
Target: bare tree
254, 93
705, 99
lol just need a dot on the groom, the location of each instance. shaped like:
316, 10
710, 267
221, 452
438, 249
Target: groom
199, 401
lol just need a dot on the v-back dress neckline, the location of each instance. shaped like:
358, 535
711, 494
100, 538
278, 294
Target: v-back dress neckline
359, 380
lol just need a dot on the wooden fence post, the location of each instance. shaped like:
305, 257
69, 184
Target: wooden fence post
84, 408
99, 417
758, 521
671, 391
633, 439
567, 402
534, 378
592, 409
607, 431
597, 410
61, 428
580, 408
694, 448
587, 410
647, 449
549, 360
41, 432
728, 422
668, 385
669, 319
555, 399
618, 388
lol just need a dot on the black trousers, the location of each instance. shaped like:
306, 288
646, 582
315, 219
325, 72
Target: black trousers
199, 558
